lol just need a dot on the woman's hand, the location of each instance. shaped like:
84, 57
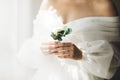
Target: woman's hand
62, 49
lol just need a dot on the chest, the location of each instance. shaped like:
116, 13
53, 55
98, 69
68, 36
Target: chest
68, 14
72, 11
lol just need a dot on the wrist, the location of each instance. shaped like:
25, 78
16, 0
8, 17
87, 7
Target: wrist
77, 54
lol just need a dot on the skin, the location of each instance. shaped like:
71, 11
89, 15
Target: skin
62, 49
69, 11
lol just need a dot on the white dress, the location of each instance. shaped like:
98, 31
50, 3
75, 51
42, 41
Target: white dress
91, 34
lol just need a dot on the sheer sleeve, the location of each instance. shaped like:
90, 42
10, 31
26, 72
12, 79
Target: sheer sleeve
116, 57
97, 56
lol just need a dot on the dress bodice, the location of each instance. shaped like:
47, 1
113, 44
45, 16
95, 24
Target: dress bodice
83, 29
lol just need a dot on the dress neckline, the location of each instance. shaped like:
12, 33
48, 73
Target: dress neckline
108, 18
92, 18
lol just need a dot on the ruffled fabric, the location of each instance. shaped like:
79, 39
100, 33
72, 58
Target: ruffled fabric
93, 35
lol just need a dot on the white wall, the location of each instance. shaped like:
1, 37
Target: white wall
6, 53
15, 27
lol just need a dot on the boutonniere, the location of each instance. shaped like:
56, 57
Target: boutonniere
59, 33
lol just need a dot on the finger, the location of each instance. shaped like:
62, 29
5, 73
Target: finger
61, 54
54, 42
65, 44
65, 48
48, 46
49, 50
64, 53
65, 56
50, 43
53, 51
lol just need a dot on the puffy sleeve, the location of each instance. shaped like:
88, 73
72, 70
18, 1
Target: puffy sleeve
29, 54
116, 57
97, 56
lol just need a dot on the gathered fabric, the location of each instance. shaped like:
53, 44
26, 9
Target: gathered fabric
93, 35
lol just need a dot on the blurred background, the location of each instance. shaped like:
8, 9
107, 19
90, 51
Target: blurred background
16, 24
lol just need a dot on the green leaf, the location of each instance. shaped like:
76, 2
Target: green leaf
67, 31
61, 33
53, 36
59, 39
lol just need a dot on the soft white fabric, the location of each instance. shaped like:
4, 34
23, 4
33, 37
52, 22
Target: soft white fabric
91, 34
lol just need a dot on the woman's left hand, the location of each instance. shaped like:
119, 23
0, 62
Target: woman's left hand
63, 50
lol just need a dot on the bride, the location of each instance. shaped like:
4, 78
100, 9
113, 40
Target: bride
88, 53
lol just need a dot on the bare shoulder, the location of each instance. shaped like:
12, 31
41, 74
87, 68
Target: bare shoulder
104, 8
